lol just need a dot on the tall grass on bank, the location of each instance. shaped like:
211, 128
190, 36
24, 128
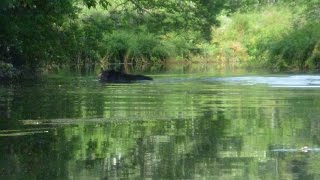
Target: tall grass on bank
275, 37
298, 49
239, 37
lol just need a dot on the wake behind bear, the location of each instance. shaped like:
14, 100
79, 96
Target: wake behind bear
112, 76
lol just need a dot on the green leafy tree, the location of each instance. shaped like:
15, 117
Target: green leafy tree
40, 33
32, 31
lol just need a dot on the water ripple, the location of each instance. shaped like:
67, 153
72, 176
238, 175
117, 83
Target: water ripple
296, 81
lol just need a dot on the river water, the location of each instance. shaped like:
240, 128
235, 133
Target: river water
195, 125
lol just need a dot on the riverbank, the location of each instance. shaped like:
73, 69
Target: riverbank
277, 36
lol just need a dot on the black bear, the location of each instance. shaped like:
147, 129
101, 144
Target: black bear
113, 76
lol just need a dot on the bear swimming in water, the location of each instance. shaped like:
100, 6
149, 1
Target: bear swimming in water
113, 76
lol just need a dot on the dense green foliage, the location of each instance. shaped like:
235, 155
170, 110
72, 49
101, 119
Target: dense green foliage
83, 34
46, 34
32, 32
281, 37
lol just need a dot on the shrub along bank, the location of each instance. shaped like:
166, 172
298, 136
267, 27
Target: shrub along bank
274, 37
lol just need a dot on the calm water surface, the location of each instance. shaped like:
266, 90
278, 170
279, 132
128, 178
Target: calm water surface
179, 126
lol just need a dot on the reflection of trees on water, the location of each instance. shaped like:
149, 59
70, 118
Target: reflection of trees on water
32, 157
177, 160
6, 93
174, 133
135, 149
295, 165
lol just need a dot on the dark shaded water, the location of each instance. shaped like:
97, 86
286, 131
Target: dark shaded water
180, 126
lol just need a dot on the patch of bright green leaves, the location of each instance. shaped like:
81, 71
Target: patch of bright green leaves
280, 37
